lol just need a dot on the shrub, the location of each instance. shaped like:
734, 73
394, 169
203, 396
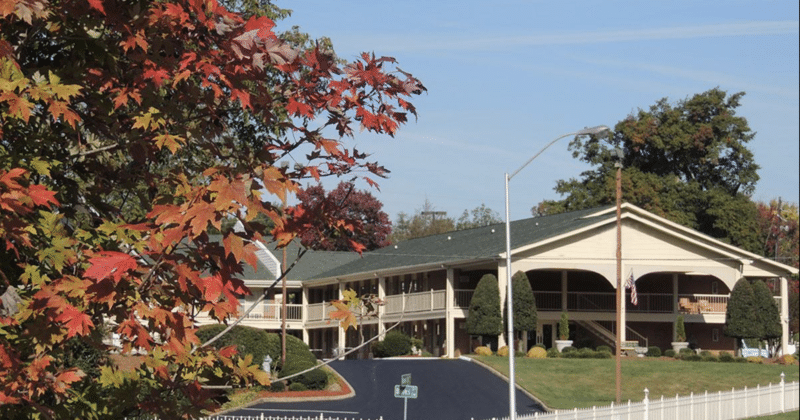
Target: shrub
519, 354
563, 327
741, 360
602, 354
692, 357
669, 353
726, 357
483, 351
710, 358
568, 349
540, 345
503, 351
297, 386
787, 359
570, 355
537, 353
553, 352
653, 351
277, 386
603, 348
416, 342
586, 353
686, 352
484, 316
680, 329
314, 379
395, 343
247, 340
755, 359
705, 353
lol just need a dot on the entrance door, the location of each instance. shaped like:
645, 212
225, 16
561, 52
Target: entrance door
547, 335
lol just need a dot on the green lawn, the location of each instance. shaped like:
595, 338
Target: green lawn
570, 383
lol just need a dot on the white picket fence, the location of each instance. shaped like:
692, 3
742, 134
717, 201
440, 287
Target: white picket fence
730, 405
266, 417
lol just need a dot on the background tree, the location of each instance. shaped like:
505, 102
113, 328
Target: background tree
484, 317
741, 320
479, 216
128, 130
688, 162
525, 313
359, 208
768, 316
426, 221
778, 231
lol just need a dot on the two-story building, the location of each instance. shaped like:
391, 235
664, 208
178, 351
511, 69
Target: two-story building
570, 260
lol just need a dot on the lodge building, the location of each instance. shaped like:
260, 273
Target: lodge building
570, 259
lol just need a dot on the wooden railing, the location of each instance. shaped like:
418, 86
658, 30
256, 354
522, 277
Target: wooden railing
272, 311
415, 302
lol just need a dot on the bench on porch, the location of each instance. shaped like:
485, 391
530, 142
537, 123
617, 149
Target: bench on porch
628, 347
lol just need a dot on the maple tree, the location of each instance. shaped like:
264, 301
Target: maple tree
357, 208
128, 130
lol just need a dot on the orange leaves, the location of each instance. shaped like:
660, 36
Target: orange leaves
110, 264
76, 322
345, 316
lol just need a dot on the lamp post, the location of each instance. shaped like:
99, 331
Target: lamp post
618, 340
512, 403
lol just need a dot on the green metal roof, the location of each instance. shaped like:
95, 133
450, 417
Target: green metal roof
484, 243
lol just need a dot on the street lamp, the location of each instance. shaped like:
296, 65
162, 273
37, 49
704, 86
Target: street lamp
512, 403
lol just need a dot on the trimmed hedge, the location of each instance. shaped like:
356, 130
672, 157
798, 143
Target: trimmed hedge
395, 343
537, 353
669, 353
483, 351
259, 343
315, 379
653, 351
553, 352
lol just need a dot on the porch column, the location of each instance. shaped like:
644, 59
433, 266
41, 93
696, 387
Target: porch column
502, 283
674, 302
381, 308
304, 316
564, 291
784, 315
449, 315
341, 337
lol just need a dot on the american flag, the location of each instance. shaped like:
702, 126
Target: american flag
631, 284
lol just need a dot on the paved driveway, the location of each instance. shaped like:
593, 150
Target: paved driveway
448, 390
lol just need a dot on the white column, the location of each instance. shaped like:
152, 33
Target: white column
564, 291
382, 308
449, 314
304, 316
784, 315
502, 283
340, 331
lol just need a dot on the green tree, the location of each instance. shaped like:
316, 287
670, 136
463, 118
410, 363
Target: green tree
427, 221
484, 316
479, 216
524, 303
768, 316
688, 162
740, 317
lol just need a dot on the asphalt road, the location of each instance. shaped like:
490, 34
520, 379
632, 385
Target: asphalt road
447, 390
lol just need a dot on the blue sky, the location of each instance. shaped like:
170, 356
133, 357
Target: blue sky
505, 78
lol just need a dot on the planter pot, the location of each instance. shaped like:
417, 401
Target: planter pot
678, 345
560, 344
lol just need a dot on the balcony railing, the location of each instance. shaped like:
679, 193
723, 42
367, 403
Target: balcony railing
415, 302
272, 311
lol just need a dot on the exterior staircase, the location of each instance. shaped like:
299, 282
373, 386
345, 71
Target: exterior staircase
608, 336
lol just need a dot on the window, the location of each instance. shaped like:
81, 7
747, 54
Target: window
715, 335
714, 287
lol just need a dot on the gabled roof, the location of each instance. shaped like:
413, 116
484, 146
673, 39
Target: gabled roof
473, 245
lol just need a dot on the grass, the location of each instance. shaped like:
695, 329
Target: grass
570, 383
792, 415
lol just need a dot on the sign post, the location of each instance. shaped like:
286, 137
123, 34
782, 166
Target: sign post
405, 391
